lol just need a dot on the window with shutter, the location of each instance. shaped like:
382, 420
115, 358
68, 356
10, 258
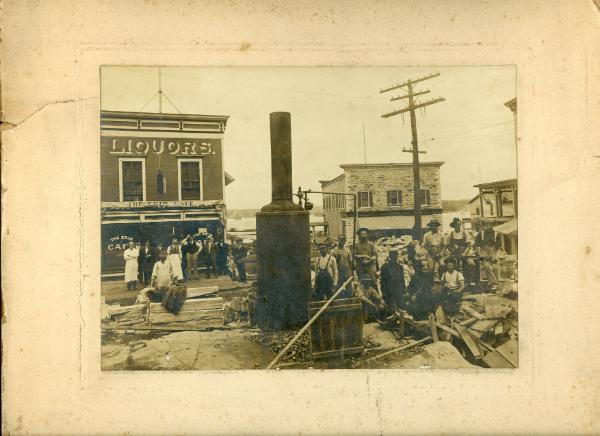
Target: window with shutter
365, 199
189, 179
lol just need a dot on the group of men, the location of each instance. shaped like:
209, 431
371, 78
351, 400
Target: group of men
408, 277
154, 265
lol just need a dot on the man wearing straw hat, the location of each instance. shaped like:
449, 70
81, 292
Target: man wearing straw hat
433, 242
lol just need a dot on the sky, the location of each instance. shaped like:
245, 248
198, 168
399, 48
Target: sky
472, 131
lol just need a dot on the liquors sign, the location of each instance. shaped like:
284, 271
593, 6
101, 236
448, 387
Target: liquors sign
145, 146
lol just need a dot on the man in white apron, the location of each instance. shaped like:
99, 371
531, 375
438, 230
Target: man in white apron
174, 255
131, 255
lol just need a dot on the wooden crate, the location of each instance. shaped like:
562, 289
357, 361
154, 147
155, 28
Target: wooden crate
338, 331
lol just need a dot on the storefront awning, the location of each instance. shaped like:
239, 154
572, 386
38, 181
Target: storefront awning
153, 205
507, 228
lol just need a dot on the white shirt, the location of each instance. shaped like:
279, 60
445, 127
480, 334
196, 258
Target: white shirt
453, 279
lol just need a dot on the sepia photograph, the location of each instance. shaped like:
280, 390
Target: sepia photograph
308, 217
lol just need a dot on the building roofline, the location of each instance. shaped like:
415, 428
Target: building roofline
398, 164
498, 183
162, 116
335, 179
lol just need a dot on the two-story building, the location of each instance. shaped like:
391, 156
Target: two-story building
385, 198
162, 176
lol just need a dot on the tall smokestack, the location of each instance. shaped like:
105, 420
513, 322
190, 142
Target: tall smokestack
281, 164
282, 241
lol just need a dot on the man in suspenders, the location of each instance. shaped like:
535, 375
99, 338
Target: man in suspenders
326, 274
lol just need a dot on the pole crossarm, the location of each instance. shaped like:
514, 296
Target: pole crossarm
400, 85
400, 97
416, 106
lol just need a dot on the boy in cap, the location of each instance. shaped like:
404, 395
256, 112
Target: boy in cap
326, 273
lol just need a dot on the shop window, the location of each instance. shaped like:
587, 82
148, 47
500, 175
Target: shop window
365, 199
190, 179
132, 179
394, 198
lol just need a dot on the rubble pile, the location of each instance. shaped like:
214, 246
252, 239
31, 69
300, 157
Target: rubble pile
276, 341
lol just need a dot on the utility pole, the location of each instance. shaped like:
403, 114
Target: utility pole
412, 105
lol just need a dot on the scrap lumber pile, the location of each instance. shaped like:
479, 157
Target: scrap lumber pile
126, 316
194, 314
484, 330
201, 310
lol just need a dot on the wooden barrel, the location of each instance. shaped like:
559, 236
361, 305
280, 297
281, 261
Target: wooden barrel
338, 331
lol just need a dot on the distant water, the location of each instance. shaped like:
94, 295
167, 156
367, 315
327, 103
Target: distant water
250, 223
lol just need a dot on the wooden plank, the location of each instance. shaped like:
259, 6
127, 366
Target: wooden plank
433, 327
344, 308
395, 350
341, 302
201, 291
483, 326
468, 340
467, 308
510, 351
467, 322
493, 359
156, 318
190, 305
337, 353
216, 322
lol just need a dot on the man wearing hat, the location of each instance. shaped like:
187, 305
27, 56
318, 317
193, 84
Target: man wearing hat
209, 254
343, 258
433, 242
326, 273
366, 255
458, 241
392, 282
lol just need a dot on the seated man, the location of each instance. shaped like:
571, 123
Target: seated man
372, 303
453, 283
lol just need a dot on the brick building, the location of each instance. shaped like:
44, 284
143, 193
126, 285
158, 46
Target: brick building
161, 176
385, 198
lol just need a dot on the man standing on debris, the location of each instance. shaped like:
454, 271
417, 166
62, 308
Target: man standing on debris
222, 252
174, 254
343, 258
453, 283
366, 255
486, 246
131, 255
326, 271
458, 241
392, 282
162, 273
209, 255
148, 256
239, 253
433, 242
191, 252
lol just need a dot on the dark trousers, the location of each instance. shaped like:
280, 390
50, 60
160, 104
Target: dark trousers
241, 267
211, 265
323, 285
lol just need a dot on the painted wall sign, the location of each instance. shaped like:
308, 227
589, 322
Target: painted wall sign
142, 147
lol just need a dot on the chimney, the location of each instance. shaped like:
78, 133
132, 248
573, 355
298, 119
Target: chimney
282, 241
